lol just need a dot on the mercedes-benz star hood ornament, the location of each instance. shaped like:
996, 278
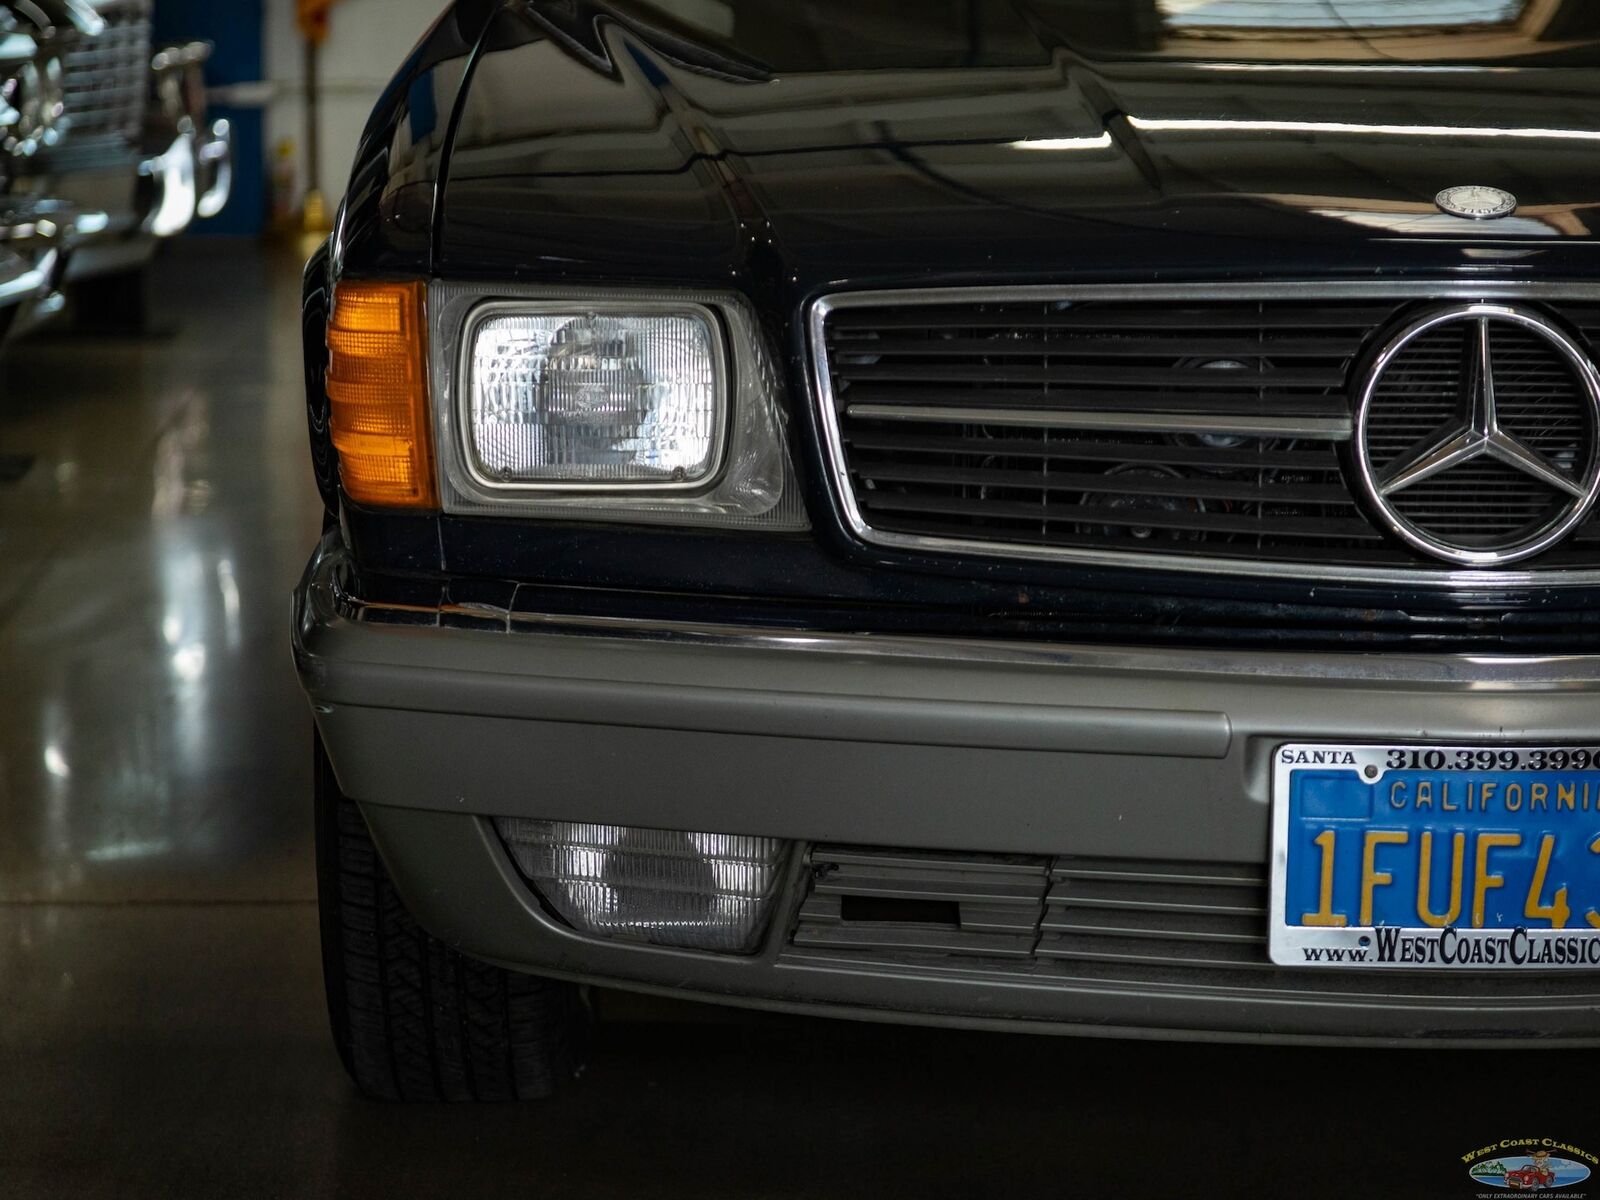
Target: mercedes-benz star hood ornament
1476, 203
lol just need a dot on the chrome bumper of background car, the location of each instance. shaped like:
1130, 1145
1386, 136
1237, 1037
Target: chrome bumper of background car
22, 277
176, 191
36, 243
215, 158
1143, 767
192, 178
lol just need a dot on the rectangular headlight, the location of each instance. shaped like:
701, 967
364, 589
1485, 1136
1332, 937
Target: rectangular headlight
599, 396
697, 891
647, 406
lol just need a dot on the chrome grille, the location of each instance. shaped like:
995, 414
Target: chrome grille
108, 78
1068, 921
1106, 425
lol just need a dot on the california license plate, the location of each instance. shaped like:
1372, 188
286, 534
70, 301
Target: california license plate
1436, 857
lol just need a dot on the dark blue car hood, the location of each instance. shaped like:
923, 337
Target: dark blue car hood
802, 146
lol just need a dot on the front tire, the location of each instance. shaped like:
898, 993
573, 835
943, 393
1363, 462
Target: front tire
413, 1019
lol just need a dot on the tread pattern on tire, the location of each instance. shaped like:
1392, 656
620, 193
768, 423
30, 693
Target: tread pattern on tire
415, 1019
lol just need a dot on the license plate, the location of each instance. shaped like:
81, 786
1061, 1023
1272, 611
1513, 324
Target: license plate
1436, 857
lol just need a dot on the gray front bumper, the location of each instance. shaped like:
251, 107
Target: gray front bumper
887, 742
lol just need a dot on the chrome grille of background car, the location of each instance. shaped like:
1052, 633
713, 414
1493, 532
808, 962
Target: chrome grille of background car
108, 78
1196, 428
1076, 921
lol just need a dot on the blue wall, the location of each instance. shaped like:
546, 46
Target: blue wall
237, 28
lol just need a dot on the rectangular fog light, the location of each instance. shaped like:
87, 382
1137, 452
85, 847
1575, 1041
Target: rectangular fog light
697, 891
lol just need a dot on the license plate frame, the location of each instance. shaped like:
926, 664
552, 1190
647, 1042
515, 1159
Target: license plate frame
1381, 946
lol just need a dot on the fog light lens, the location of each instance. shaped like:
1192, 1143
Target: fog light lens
597, 399
699, 891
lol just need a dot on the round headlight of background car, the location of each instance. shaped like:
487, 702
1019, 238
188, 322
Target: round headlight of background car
609, 405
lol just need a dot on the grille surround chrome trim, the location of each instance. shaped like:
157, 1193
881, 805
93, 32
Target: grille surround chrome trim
1465, 290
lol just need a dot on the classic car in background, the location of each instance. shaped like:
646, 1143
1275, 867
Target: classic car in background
139, 148
109, 150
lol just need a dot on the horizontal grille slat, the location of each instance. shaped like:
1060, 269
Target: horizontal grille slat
1067, 481
1167, 315
1130, 923
1083, 514
927, 885
1186, 898
1102, 347
1076, 375
1243, 547
1096, 451
1184, 427
1165, 952
922, 939
1210, 403
1109, 870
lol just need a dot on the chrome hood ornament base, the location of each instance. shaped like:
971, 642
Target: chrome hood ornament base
1476, 203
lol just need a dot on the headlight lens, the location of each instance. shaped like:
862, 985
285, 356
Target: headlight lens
602, 398
610, 404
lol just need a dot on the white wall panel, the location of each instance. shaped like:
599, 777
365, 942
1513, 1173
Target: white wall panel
370, 39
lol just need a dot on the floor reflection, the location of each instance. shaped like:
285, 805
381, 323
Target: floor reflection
154, 730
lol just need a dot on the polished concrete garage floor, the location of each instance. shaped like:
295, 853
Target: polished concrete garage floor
161, 1021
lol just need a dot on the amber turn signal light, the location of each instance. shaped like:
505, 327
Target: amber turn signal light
378, 394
